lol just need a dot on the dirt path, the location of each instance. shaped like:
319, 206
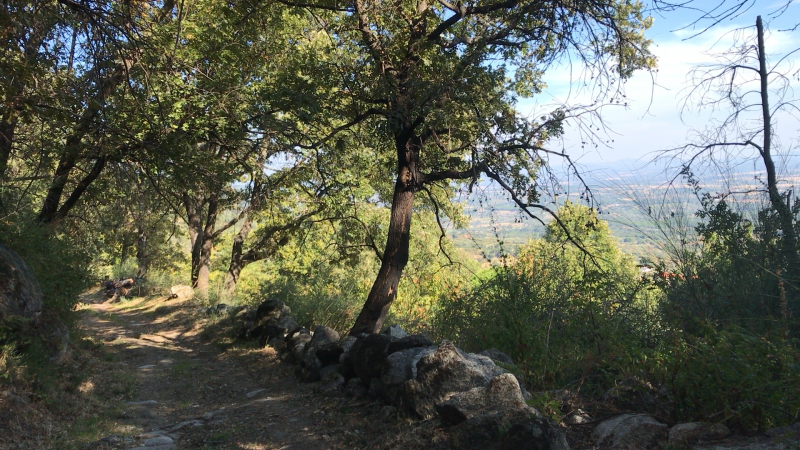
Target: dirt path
186, 393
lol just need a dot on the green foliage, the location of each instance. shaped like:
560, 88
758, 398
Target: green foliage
326, 274
735, 279
548, 404
61, 268
751, 382
563, 317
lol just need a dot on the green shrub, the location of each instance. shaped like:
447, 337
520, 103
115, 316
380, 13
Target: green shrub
564, 318
61, 268
751, 382
737, 278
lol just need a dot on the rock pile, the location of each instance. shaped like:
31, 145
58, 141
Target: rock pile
482, 405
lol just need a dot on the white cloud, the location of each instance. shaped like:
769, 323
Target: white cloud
653, 121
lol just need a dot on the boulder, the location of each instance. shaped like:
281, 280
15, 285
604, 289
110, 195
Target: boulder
271, 308
787, 432
347, 344
329, 353
442, 373
395, 332
331, 381
578, 417
247, 314
181, 292
401, 366
693, 432
287, 322
508, 429
20, 293
630, 432
501, 393
309, 362
410, 341
325, 335
297, 343
497, 355
366, 357
377, 389
246, 328
278, 343
58, 339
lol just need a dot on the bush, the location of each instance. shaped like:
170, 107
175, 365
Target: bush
63, 273
751, 382
736, 277
61, 268
564, 318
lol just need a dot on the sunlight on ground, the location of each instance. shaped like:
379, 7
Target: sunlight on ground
86, 387
249, 446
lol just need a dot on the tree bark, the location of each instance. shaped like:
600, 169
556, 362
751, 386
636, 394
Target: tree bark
6, 140
779, 204
237, 260
65, 165
395, 254
76, 194
141, 253
206, 246
195, 222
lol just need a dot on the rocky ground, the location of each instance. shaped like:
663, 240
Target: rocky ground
161, 374
191, 393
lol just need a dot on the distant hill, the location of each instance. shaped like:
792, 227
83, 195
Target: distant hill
628, 193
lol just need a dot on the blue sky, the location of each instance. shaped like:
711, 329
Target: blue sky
653, 120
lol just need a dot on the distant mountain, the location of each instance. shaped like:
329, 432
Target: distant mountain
629, 194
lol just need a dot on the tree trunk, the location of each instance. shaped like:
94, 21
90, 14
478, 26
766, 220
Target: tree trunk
6, 140
65, 165
206, 245
395, 254
780, 204
195, 222
237, 260
141, 253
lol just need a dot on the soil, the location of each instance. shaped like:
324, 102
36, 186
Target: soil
160, 374
188, 389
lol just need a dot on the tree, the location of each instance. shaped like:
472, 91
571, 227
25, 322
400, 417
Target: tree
744, 83
214, 103
63, 63
560, 315
437, 82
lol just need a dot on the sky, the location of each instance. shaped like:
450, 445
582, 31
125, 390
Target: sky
653, 119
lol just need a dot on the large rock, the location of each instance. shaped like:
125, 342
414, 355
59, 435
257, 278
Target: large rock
410, 341
693, 432
347, 344
329, 353
287, 322
366, 357
20, 293
401, 366
787, 432
508, 429
296, 344
497, 355
502, 392
443, 373
634, 394
271, 308
630, 432
309, 362
395, 332
181, 292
